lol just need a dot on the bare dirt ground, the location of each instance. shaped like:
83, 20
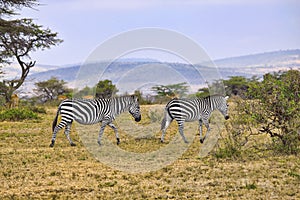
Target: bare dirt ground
30, 169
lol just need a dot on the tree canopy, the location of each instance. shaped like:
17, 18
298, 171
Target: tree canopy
18, 38
277, 106
173, 90
105, 89
8, 7
51, 89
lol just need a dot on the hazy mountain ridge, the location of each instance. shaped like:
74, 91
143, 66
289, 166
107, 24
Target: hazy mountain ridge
248, 66
267, 59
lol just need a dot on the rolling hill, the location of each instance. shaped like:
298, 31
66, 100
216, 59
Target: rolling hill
133, 74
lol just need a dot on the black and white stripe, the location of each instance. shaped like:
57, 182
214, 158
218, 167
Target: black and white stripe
86, 111
187, 110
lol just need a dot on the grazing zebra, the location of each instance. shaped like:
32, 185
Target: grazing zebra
92, 111
187, 110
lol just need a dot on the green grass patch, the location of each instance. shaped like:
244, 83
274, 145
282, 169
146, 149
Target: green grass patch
294, 174
251, 186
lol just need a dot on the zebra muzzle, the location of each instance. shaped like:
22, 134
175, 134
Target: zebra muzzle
137, 119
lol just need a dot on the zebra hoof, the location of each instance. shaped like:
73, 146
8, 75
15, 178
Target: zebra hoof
99, 143
201, 141
161, 141
118, 141
185, 141
52, 144
73, 144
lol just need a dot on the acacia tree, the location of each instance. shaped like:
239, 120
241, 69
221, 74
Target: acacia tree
167, 92
202, 92
173, 90
50, 90
105, 89
18, 38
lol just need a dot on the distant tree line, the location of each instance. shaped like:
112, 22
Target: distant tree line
55, 89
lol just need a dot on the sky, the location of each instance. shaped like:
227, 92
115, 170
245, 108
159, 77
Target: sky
222, 28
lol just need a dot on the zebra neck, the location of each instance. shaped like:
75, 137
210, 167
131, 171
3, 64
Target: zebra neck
120, 105
211, 104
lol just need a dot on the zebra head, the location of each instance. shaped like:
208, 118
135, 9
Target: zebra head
222, 106
134, 109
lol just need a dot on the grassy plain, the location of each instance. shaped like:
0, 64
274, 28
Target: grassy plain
29, 169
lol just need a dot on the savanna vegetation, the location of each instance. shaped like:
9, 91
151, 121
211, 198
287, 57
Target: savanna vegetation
256, 155
248, 162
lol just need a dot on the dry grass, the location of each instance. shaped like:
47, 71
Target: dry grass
30, 169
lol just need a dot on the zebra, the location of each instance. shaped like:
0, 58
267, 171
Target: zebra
187, 110
92, 111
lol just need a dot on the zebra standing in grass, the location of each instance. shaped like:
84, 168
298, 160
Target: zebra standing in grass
92, 111
187, 110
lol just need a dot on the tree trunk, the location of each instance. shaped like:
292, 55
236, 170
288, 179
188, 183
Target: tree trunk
13, 85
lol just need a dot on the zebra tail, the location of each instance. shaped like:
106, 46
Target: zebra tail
55, 119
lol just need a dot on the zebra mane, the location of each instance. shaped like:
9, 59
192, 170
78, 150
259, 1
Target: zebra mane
132, 97
118, 97
214, 95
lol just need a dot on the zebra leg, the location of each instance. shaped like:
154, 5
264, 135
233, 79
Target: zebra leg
163, 135
56, 129
181, 127
111, 125
67, 133
208, 129
164, 125
101, 132
164, 129
200, 130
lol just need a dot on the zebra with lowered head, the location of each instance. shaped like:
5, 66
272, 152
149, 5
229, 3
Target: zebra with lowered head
187, 110
92, 111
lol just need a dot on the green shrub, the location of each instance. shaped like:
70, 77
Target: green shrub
277, 108
17, 114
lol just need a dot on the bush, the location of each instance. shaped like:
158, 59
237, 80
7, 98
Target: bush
17, 114
273, 110
277, 108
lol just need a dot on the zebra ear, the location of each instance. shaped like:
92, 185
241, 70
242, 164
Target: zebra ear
226, 98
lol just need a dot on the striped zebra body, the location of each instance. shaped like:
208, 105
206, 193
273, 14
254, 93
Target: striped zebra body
188, 110
92, 111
